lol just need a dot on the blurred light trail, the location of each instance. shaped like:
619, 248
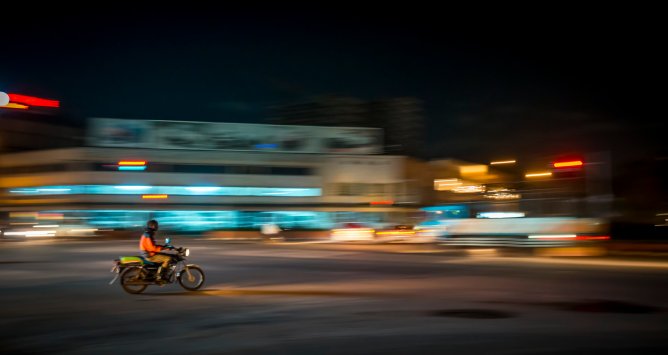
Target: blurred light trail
155, 197
502, 162
541, 174
33, 101
567, 164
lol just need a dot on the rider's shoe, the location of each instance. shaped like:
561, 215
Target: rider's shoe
162, 278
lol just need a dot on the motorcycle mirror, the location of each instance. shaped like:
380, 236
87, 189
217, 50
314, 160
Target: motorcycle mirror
167, 240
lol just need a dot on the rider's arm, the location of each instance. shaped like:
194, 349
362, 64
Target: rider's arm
148, 245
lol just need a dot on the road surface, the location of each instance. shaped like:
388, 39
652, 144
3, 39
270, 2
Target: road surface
288, 298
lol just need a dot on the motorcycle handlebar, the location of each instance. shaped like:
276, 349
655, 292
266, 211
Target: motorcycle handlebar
171, 247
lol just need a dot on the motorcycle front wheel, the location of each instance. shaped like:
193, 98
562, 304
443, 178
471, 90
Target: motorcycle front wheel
191, 278
133, 280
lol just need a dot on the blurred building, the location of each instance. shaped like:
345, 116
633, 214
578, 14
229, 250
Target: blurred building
26, 132
401, 119
481, 187
641, 198
206, 176
549, 186
25, 127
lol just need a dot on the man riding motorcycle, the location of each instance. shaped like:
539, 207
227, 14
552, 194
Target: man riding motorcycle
151, 251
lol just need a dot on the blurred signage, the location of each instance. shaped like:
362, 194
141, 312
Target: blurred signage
111, 132
33, 101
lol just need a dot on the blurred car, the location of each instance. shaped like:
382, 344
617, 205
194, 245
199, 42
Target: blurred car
271, 232
48, 230
352, 231
516, 231
396, 232
432, 229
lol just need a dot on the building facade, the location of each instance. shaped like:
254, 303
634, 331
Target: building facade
122, 182
401, 119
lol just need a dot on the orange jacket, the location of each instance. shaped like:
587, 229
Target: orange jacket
147, 245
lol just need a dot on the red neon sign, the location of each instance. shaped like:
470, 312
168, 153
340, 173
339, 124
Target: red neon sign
592, 237
33, 101
382, 202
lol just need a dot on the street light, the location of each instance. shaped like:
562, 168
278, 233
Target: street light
4, 99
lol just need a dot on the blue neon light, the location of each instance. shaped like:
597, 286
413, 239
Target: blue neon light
194, 220
170, 190
203, 189
266, 146
127, 187
132, 168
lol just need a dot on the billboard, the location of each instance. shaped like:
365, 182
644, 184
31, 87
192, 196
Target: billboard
112, 132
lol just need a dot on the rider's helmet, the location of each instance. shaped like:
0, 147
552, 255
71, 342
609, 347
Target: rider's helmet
152, 225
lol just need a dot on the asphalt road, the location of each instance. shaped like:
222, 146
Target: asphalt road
320, 299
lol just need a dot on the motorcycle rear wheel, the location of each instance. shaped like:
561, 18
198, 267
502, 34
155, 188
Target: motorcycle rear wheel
133, 280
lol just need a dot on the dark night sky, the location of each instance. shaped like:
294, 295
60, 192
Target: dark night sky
511, 82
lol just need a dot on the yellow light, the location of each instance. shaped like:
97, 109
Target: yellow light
395, 232
23, 214
154, 197
473, 169
131, 163
541, 174
469, 189
446, 184
15, 105
566, 164
503, 196
448, 181
502, 162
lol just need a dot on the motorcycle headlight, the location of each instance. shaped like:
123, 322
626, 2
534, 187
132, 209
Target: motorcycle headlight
187, 251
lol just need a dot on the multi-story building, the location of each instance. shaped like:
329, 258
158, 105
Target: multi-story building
400, 118
42, 125
208, 176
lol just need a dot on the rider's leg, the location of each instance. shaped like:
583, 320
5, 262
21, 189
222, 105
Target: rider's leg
163, 266
164, 260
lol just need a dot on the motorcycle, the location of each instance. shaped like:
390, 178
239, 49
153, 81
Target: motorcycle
136, 273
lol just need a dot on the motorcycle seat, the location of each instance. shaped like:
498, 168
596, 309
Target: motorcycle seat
148, 262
